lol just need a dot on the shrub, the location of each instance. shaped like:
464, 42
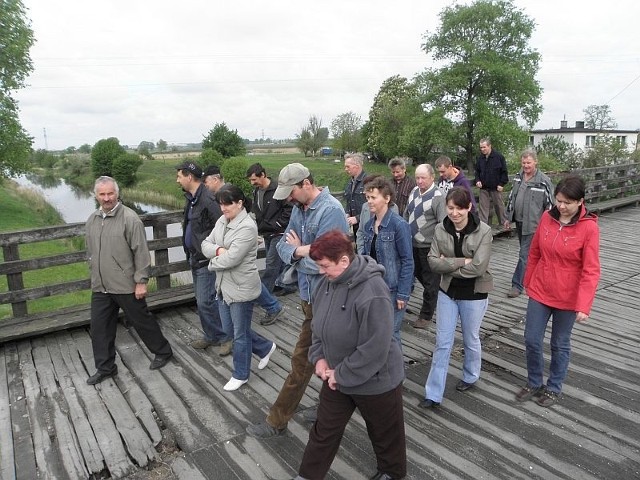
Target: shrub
125, 167
234, 171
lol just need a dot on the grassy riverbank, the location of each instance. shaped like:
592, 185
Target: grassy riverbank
23, 209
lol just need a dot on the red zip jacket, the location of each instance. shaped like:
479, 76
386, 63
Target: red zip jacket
563, 268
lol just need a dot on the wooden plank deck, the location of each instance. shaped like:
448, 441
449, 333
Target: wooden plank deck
178, 422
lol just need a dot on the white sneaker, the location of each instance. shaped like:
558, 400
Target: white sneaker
234, 384
265, 360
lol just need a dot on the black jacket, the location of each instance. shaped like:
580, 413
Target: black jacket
273, 215
205, 212
491, 170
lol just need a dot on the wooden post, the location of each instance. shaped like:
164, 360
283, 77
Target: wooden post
14, 280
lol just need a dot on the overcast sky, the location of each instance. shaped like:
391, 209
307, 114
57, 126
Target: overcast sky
171, 70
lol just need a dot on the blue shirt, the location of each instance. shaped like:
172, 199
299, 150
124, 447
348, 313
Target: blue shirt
323, 214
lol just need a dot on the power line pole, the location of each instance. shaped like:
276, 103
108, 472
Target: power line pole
46, 144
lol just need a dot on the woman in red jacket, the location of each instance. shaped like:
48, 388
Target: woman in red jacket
562, 274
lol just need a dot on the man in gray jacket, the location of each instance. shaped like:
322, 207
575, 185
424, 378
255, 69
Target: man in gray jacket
531, 195
119, 261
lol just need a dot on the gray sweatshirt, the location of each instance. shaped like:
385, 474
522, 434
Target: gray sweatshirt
352, 330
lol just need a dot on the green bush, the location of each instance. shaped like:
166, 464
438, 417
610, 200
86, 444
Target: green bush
103, 154
234, 171
125, 167
210, 157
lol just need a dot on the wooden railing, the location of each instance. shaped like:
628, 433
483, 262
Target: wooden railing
608, 188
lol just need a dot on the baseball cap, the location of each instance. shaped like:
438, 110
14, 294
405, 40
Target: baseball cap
191, 167
289, 176
211, 170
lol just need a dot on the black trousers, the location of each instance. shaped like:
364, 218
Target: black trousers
429, 280
384, 417
104, 322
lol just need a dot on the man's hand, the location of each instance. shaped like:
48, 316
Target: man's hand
321, 368
301, 250
499, 188
479, 184
581, 317
352, 220
140, 291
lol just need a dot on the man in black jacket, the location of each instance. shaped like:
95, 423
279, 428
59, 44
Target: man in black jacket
272, 217
491, 177
201, 212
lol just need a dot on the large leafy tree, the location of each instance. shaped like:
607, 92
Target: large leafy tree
399, 125
103, 153
16, 38
483, 76
345, 129
225, 141
599, 117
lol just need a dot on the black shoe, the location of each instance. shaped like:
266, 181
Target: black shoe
463, 386
270, 318
428, 403
100, 376
381, 476
160, 361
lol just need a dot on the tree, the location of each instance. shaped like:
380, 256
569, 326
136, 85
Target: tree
485, 79
303, 141
161, 145
312, 137
227, 142
85, 148
345, 129
125, 167
16, 39
103, 153
145, 148
598, 117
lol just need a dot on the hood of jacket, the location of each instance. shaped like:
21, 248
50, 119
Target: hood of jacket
472, 224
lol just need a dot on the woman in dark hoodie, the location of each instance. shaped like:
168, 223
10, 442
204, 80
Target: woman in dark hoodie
354, 354
460, 252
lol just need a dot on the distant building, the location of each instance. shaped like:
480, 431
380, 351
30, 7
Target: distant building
585, 138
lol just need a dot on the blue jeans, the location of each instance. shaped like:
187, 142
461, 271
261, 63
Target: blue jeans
398, 316
267, 301
525, 244
273, 263
236, 317
538, 316
471, 313
204, 285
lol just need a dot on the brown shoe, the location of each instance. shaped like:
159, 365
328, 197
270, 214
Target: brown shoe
421, 323
201, 344
225, 349
514, 292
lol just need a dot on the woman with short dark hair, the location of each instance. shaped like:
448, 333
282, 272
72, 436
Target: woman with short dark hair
354, 353
232, 247
460, 252
561, 278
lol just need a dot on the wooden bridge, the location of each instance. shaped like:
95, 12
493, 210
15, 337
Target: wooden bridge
179, 423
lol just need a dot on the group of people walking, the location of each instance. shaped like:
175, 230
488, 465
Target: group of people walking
354, 300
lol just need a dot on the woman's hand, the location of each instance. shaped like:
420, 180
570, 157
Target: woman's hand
467, 261
581, 317
400, 304
321, 368
331, 379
